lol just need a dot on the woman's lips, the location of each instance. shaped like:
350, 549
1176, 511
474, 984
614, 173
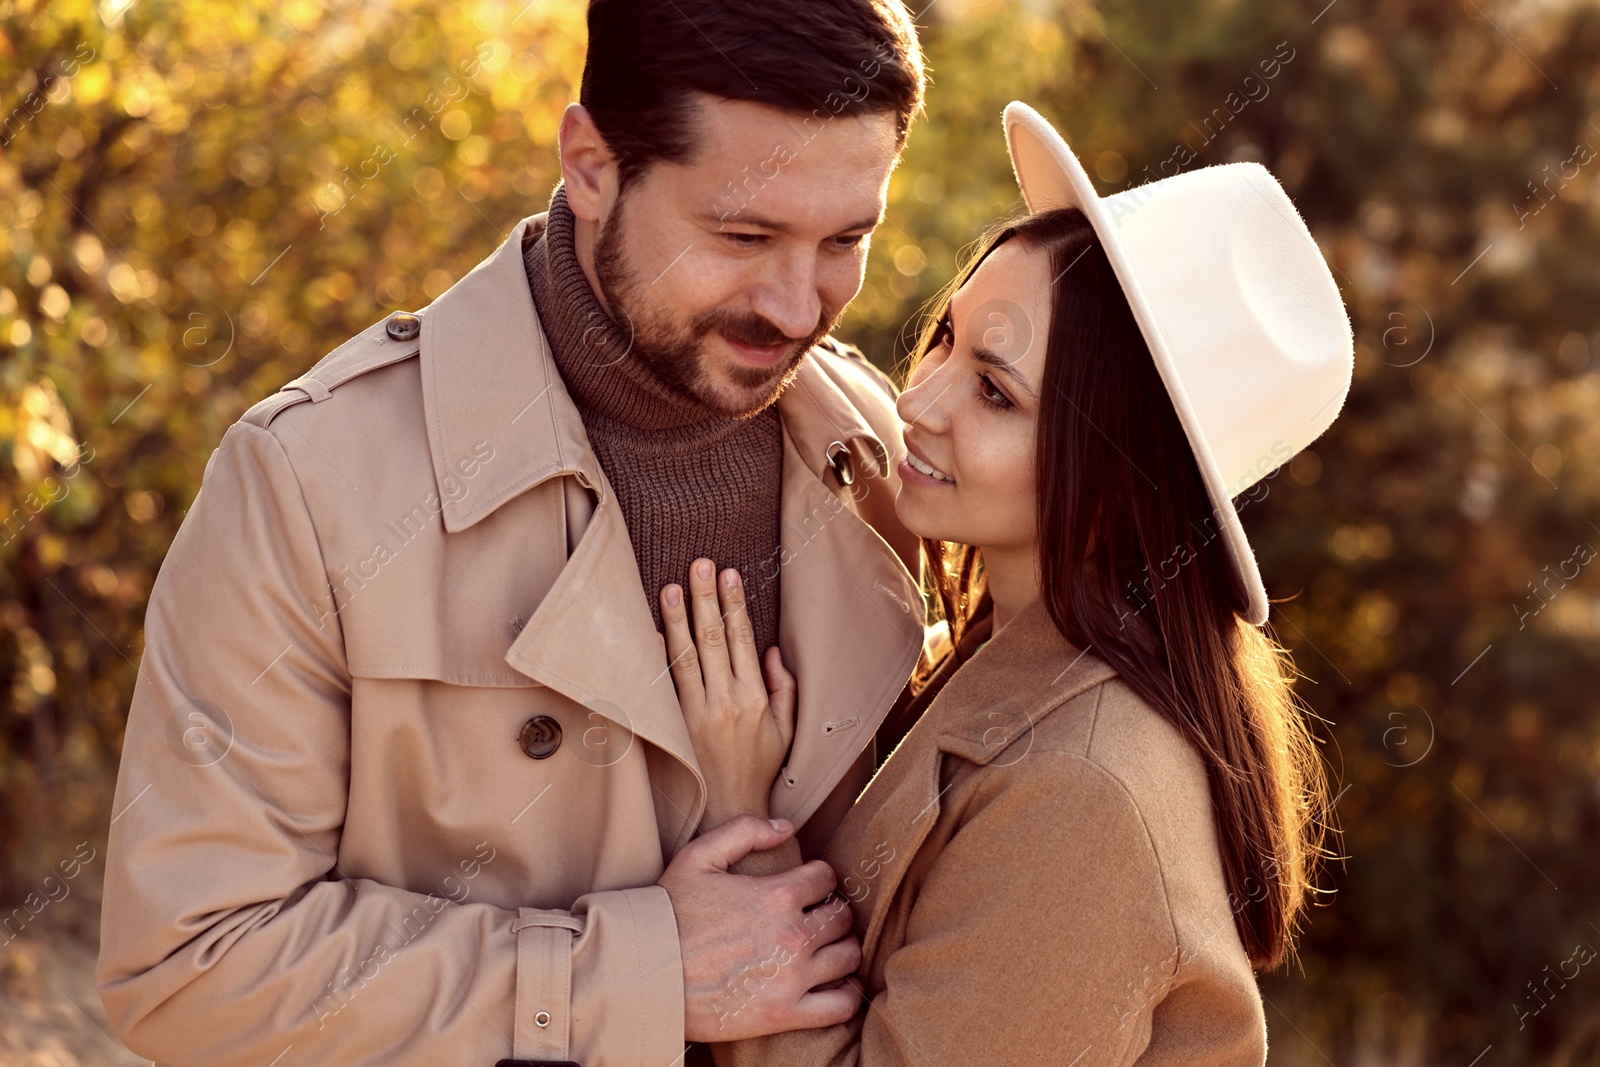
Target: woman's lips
918, 471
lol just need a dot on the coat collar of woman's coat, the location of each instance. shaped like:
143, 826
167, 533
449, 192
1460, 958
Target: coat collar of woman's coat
1022, 674
986, 714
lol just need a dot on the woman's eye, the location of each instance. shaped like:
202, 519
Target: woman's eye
943, 336
990, 394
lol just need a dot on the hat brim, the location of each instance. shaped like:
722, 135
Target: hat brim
1051, 177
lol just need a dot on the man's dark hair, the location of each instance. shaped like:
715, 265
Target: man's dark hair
815, 58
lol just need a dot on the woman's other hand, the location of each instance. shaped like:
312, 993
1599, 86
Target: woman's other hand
740, 717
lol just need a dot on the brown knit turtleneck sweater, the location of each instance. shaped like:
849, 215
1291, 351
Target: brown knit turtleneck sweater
692, 482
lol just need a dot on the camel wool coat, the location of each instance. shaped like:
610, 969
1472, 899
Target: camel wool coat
405, 761
1035, 879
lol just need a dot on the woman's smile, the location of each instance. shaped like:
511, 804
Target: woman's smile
915, 470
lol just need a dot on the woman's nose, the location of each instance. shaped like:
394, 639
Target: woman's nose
922, 403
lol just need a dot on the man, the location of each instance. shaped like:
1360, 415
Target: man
405, 779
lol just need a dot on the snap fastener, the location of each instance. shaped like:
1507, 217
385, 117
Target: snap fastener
403, 326
540, 737
543, 1018
839, 459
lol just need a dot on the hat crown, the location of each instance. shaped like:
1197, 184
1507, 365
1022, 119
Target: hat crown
1235, 301
1246, 307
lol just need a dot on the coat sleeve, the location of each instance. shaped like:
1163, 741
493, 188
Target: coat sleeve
229, 933
1041, 935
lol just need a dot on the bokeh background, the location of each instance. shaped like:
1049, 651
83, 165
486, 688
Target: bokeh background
198, 199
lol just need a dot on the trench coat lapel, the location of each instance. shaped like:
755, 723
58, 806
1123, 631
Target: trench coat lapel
851, 619
851, 615
488, 373
593, 639
985, 714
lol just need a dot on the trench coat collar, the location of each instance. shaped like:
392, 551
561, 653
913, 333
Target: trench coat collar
488, 375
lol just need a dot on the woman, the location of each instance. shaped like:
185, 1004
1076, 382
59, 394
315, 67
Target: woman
1109, 810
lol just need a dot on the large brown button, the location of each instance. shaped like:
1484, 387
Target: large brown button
403, 326
540, 737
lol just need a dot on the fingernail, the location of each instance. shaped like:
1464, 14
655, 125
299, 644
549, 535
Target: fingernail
703, 568
730, 578
674, 596
779, 824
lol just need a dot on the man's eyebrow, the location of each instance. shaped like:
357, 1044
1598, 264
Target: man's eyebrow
746, 218
864, 224
990, 358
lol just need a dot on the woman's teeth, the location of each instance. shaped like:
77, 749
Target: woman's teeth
932, 472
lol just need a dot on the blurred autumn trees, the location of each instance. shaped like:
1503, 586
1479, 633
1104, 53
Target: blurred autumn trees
199, 199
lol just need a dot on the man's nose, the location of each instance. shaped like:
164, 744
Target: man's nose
788, 298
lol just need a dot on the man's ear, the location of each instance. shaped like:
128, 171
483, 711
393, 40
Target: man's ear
588, 169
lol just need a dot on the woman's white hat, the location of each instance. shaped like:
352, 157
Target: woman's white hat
1234, 299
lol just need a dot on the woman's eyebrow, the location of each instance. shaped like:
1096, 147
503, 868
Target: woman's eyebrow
990, 358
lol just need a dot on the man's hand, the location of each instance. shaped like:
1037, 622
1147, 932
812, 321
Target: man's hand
751, 952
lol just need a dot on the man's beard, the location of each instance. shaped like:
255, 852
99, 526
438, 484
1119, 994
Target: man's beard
674, 352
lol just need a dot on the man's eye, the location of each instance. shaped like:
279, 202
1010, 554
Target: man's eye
746, 240
852, 241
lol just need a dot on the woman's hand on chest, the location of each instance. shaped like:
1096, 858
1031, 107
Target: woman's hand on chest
739, 711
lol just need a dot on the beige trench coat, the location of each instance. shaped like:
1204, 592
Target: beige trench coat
1035, 877
329, 839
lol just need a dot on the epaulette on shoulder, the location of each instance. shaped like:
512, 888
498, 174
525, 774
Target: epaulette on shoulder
835, 347
389, 340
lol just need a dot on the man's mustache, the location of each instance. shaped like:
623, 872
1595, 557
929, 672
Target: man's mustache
751, 329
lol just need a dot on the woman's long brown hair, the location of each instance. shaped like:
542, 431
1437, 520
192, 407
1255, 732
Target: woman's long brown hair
1132, 565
